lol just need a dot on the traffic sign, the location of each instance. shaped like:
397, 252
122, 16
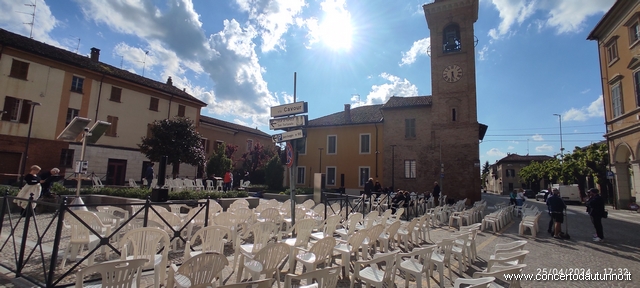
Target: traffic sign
286, 136
288, 122
610, 175
289, 109
289, 151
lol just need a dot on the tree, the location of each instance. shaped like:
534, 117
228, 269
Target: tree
219, 163
485, 172
274, 173
256, 159
177, 139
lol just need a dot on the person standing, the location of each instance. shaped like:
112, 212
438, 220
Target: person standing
550, 194
32, 186
595, 208
47, 178
227, 181
149, 175
557, 206
520, 197
512, 198
436, 194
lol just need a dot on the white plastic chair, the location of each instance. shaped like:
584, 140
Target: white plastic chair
531, 223
82, 237
441, 257
407, 233
262, 233
320, 252
264, 283
416, 263
144, 243
387, 238
132, 183
115, 274
510, 246
97, 183
372, 239
372, 275
325, 278
210, 185
303, 230
505, 259
212, 239
266, 262
350, 228
328, 228
199, 185
197, 270
348, 247
483, 282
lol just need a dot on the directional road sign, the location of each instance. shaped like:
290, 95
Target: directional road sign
286, 136
289, 109
288, 122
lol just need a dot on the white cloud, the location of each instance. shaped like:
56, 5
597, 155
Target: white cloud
381, 93
585, 91
495, 152
17, 14
595, 109
273, 19
564, 16
511, 148
420, 47
544, 148
482, 53
537, 137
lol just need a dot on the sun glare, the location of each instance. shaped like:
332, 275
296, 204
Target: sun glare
336, 29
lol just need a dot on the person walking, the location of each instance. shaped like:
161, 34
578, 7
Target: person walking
557, 206
595, 208
520, 197
436, 194
149, 175
512, 198
32, 186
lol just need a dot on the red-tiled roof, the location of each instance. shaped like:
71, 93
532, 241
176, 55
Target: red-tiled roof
232, 126
524, 158
20, 42
397, 102
359, 115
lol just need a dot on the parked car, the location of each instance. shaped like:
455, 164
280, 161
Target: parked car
541, 195
529, 193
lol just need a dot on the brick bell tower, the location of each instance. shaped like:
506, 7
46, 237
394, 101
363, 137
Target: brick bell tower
453, 86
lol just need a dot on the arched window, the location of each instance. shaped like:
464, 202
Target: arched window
451, 39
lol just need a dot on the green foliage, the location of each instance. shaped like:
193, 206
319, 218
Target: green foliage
485, 173
274, 173
219, 163
177, 139
13, 191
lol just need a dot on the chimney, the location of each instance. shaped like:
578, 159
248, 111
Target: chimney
347, 112
169, 81
95, 54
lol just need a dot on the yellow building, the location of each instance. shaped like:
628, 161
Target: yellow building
65, 85
345, 147
618, 37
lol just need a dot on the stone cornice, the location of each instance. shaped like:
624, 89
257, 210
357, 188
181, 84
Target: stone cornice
441, 6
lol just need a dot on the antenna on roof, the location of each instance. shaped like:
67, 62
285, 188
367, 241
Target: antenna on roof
121, 60
78, 47
33, 17
144, 62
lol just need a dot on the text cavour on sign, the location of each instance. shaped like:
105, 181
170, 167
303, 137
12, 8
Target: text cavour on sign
289, 109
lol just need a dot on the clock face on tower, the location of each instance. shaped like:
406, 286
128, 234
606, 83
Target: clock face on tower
452, 73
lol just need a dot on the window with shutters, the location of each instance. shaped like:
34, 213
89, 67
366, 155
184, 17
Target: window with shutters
76, 84
410, 128
205, 145
612, 51
331, 176
116, 93
249, 145
112, 131
153, 104
410, 169
219, 143
301, 173
616, 100
19, 69
180, 110
66, 158
16, 110
71, 113
301, 146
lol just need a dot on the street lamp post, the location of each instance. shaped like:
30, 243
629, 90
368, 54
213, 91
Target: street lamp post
320, 164
561, 147
26, 148
393, 168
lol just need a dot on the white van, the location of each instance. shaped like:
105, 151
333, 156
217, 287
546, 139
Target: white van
569, 193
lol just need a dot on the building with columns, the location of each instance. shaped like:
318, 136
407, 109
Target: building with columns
618, 37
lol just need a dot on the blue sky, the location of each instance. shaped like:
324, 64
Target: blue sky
239, 56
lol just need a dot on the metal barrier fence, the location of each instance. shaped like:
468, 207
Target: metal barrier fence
30, 242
